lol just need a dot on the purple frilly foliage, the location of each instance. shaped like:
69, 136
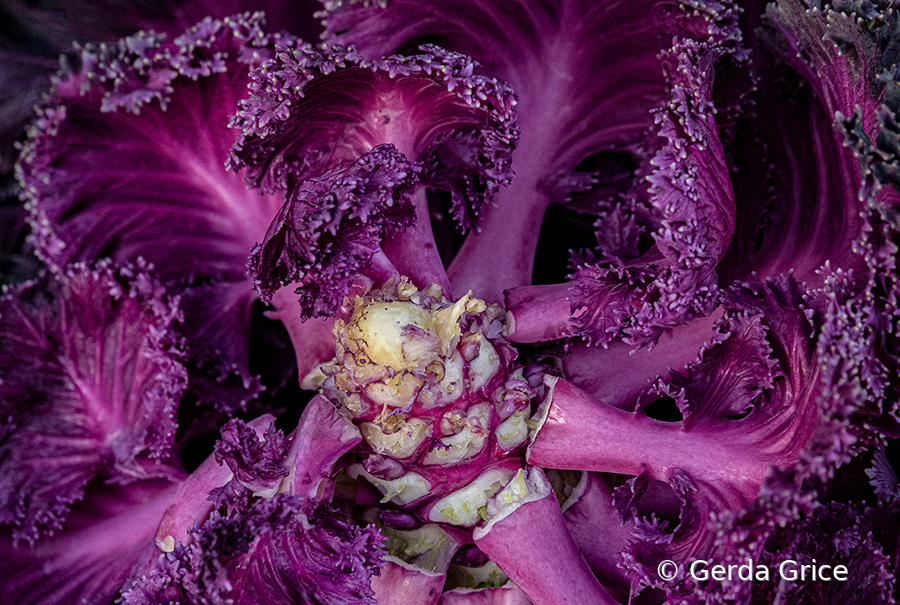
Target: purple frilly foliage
330, 231
258, 465
282, 549
107, 172
586, 121
687, 208
690, 194
360, 207
258, 546
90, 379
37, 36
91, 375
404, 124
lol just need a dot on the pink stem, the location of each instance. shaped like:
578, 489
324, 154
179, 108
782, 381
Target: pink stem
589, 514
501, 254
322, 437
532, 546
578, 432
539, 313
312, 339
414, 253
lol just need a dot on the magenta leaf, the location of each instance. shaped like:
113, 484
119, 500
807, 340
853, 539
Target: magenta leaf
90, 380
106, 536
331, 227
126, 160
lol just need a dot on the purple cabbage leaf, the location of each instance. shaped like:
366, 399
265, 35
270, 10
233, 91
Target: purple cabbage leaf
108, 172
91, 379
573, 289
359, 171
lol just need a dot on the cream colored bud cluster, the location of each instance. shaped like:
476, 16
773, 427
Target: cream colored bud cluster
430, 383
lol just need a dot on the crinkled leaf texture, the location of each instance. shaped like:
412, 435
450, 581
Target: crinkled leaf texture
126, 160
856, 399
313, 117
275, 550
749, 401
257, 464
856, 317
90, 379
309, 112
883, 477
324, 558
839, 49
331, 227
657, 536
105, 537
862, 538
661, 240
691, 202
38, 33
587, 76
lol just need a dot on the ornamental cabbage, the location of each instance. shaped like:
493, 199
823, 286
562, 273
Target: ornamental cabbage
453, 302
